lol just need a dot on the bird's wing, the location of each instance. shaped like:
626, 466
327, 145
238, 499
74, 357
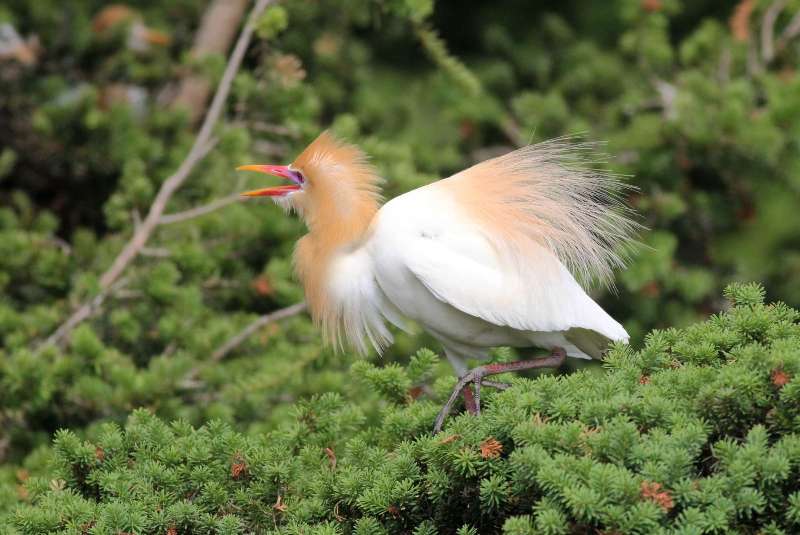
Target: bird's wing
453, 258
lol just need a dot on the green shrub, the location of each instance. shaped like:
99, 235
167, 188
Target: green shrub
696, 432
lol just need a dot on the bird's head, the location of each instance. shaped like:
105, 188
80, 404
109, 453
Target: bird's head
328, 180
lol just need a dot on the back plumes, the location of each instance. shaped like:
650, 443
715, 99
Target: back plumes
550, 195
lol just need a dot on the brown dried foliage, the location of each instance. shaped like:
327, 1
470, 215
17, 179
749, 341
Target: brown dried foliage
740, 20
651, 491
780, 378
491, 448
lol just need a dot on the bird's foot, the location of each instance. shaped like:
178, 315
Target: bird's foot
469, 396
475, 377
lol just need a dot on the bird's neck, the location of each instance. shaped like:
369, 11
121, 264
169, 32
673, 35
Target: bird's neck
332, 231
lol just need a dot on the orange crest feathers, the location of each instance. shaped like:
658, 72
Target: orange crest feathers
328, 159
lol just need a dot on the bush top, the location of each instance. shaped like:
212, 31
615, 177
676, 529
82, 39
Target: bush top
698, 431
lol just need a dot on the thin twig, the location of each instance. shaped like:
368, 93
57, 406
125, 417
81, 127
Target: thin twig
266, 319
513, 132
156, 252
203, 143
190, 381
84, 311
199, 210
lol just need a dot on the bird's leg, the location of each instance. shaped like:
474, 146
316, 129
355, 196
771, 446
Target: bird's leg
476, 375
477, 387
470, 400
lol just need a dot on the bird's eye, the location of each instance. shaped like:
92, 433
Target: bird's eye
296, 176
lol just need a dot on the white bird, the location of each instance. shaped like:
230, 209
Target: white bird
488, 257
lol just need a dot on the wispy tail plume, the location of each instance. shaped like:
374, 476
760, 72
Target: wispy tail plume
554, 195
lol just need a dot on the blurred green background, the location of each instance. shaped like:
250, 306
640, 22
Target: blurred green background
699, 102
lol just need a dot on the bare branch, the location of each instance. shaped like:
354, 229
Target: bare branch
790, 32
768, 29
268, 148
754, 66
63, 246
513, 132
277, 129
667, 93
199, 210
203, 143
125, 293
244, 334
218, 282
725, 62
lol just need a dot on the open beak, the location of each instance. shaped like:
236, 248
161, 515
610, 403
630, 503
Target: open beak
282, 171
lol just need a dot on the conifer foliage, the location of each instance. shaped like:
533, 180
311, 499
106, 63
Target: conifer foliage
698, 431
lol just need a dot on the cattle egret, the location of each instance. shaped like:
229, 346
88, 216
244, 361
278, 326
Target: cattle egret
488, 257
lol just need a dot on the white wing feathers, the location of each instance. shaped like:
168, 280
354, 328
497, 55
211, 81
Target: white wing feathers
541, 296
